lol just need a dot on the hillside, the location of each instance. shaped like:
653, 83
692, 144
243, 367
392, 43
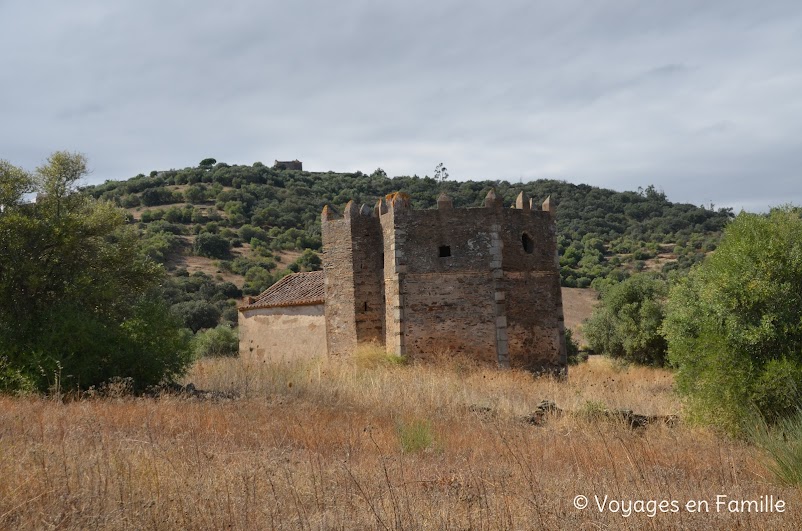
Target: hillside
225, 230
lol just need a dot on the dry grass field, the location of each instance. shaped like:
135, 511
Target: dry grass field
367, 444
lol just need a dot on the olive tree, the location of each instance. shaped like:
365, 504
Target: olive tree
77, 294
626, 323
734, 325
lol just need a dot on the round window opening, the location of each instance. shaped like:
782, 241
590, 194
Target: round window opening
528, 243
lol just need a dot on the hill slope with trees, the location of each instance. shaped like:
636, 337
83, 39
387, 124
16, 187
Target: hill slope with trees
251, 225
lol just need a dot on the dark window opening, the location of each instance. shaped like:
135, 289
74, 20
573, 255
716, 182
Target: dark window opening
366, 307
528, 243
445, 250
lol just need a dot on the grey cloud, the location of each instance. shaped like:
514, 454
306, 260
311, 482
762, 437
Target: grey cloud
699, 99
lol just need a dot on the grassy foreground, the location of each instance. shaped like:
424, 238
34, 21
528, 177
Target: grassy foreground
367, 444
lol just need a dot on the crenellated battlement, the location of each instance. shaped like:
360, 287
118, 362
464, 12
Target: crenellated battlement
482, 281
400, 201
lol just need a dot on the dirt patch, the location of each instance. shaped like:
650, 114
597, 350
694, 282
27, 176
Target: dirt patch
578, 304
287, 257
205, 265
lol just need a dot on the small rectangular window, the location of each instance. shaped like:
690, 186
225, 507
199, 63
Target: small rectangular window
445, 250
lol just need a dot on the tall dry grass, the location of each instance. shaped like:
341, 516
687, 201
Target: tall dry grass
367, 444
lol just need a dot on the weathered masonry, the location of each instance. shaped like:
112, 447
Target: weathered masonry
289, 165
483, 282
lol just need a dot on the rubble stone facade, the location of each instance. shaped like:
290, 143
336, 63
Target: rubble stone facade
483, 282
289, 165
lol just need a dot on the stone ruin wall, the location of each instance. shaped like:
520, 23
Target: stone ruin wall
445, 304
494, 298
352, 264
289, 165
531, 287
339, 285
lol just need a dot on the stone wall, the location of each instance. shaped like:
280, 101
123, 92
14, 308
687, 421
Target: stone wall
368, 266
442, 287
531, 283
289, 165
483, 282
339, 285
283, 333
353, 262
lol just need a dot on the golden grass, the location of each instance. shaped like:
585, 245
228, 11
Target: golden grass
364, 445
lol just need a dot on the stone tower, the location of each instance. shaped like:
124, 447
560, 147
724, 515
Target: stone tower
483, 282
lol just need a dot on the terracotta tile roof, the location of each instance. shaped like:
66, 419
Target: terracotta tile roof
298, 289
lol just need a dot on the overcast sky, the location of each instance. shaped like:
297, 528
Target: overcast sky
701, 99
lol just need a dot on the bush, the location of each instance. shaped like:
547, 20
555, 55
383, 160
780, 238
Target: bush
626, 323
158, 196
734, 325
12, 380
212, 245
249, 232
196, 315
219, 341
574, 356
77, 303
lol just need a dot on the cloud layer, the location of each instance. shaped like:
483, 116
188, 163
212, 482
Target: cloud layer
700, 100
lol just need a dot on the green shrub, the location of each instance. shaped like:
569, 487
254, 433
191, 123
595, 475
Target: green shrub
372, 355
574, 356
219, 341
734, 325
626, 323
212, 245
778, 389
12, 380
78, 302
196, 315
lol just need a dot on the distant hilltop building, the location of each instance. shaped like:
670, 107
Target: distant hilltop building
289, 165
483, 282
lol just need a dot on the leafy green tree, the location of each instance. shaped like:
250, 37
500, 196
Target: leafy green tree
196, 314
626, 323
734, 325
441, 173
158, 196
248, 232
258, 279
77, 305
14, 184
308, 261
212, 245
159, 246
196, 193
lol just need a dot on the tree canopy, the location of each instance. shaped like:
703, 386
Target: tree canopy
77, 294
626, 323
600, 232
734, 325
